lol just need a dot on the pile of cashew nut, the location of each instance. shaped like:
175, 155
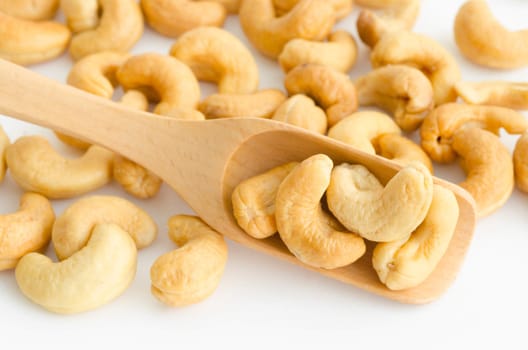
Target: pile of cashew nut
328, 215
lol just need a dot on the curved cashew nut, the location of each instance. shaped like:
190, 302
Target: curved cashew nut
92, 277
485, 41
439, 126
80, 15
341, 7
192, 272
73, 227
37, 167
254, 201
119, 28
218, 56
165, 77
488, 165
395, 16
332, 90
300, 110
402, 150
498, 93
33, 10
27, 42
310, 233
174, 17
27, 230
339, 52
377, 213
308, 19
261, 104
408, 262
520, 162
403, 91
4, 143
423, 53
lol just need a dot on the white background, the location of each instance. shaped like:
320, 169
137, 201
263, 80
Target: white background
263, 302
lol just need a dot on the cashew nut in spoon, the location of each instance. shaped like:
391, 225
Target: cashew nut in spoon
119, 28
80, 15
421, 52
175, 17
308, 19
342, 8
482, 39
407, 262
36, 166
310, 233
73, 227
338, 52
439, 126
192, 272
332, 90
33, 10
300, 110
253, 201
4, 142
512, 95
488, 165
403, 91
27, 230
217, 56
28, 42
376, 212
520, 162
92, 277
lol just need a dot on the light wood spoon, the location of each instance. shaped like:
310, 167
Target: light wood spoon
204, 160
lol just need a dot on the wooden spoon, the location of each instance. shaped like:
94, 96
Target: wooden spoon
204, 160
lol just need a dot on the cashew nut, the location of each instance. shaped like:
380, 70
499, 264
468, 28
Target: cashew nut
377, 213
174, 17
27, 230
407, 262
300, 110
403, 91
485, 41
339, 52
80, 15
332, 90
135, 179
92, 277
27, 42
37, 167
310, 233
520, 162
402, 150
135, 99
4, 142
439, 126
498, 93
231, 6
260, 104
254, 201
192, 272
421, 52
395, 16
119, 28
488, 166
218, 56
165, 78
308, 19
341, 7
73, 227
33, 10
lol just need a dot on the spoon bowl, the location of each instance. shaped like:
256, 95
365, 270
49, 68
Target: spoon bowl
203, 161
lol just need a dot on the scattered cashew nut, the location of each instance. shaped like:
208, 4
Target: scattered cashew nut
192, 272
254, 201
485, 41
408, 262
310, 233
341, 7
497, 93
308, 19
80, 15
403, 91
402, 150
37, 167
376, 212
439, 126
4, 142
332, 90
520, 162
217, 56
300, 110
91, 278
33, 10
27, 230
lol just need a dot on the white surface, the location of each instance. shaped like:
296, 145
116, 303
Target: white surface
263, 302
